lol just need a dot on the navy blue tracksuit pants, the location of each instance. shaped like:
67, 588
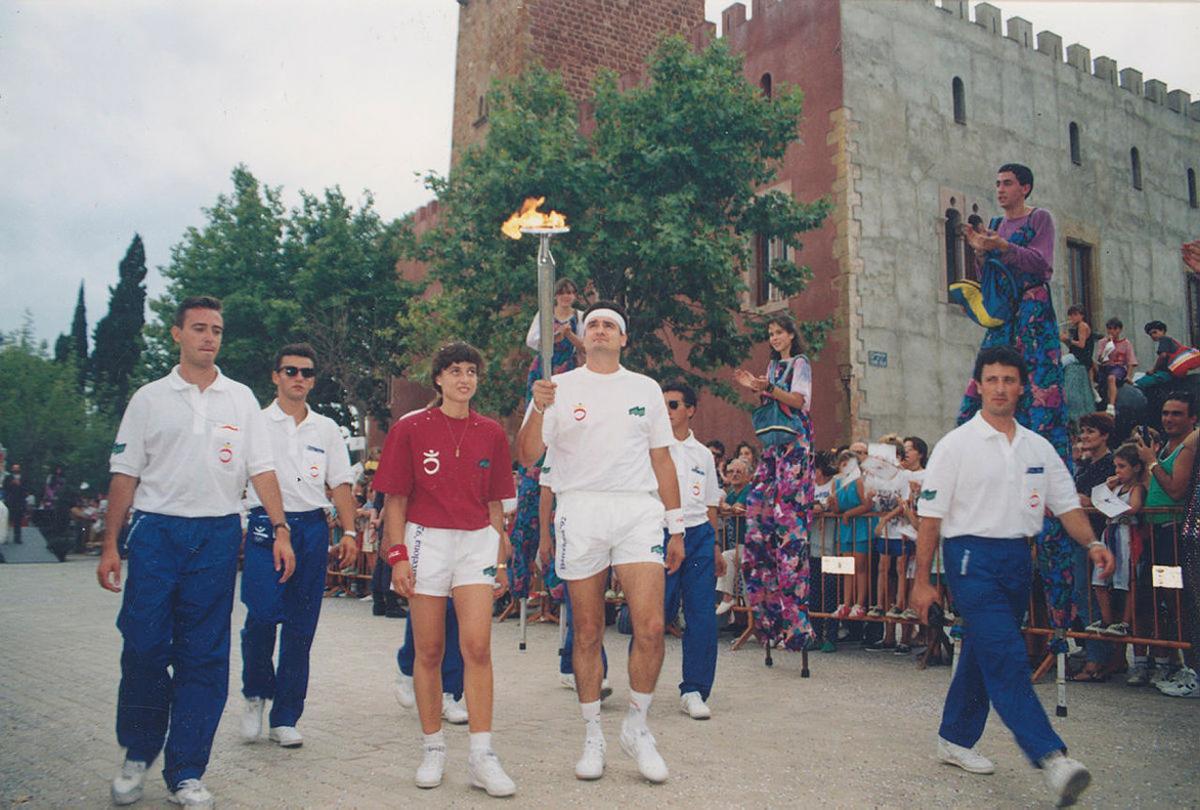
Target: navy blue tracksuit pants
452, 660
566, 664
990, 581
295, 605
695, 583
175, 613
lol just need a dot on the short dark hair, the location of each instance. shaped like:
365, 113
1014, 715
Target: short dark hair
1179, 395
1114, 323
787, 324
1076, 309
1154, 325
195, 302
296, 350
1024, 175
455, 352
921, 446
606, 304
716, 444
683, 389
826, 462
737, 451
1002, 355
1098, 421
563, 283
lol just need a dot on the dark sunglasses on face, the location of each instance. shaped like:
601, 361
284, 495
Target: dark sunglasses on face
292, 371
674, 404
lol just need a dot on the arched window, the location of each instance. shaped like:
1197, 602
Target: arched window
1073, 133
1192, 189
960, 102
954, 256
1135, 168
765, 84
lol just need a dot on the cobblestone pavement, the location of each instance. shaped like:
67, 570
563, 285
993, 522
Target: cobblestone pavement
858, 733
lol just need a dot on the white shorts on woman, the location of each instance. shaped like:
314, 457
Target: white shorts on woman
444, 559
595, 530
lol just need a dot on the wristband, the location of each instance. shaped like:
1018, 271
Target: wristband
349, 533
675, 521
283, 526
536, 408
397, 553
501, 566
1095, 544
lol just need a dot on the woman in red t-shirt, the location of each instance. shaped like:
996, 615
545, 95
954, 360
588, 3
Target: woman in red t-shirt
445, 470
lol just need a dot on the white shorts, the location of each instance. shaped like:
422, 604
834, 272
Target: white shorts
594, 530
443, 559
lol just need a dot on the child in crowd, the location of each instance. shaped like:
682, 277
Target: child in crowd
850, 501
1118, 536
889, 491
823, 540
1116, 360
1165, 350
1080, 341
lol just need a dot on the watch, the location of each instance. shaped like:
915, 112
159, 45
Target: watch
283, 526
770, 387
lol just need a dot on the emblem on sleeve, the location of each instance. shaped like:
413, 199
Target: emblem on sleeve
638, 411
928, 494
431, 463
118, 448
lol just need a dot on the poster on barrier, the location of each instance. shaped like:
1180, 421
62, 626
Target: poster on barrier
1167, 576
837, 565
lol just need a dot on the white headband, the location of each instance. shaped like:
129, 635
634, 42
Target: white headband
611, 314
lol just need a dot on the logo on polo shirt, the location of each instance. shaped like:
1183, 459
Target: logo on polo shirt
225, 454
580, 412
1035, 500
638, 411
118, 447
490, 571
927, 494
657, 549
314, 471
431, 463
696, 489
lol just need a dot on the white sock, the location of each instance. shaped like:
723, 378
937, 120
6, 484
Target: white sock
481, 741
591, 718
639, 706
1162, 662
435, 740
1140, 659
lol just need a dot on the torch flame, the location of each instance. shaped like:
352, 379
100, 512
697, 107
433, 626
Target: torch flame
530, 217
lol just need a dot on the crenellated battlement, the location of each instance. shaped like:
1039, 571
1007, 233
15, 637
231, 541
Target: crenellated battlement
1019, 30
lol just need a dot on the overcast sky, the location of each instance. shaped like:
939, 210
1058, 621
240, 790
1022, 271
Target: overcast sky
128, 116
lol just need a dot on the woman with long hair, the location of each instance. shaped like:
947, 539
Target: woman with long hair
779, 507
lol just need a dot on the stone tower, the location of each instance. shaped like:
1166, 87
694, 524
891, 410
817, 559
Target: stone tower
498, 38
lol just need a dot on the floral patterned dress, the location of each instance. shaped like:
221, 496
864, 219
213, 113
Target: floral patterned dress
524, 535
1033, 331
778, 515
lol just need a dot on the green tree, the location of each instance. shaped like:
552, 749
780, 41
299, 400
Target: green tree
663, 199
324, 272
118, 341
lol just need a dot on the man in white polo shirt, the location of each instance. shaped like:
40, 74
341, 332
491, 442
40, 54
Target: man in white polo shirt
987, 489
310, 457
608, 430
186, 447
695, 583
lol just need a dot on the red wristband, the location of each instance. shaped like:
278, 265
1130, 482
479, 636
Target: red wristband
397, 553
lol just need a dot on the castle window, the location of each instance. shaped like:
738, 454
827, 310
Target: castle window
1080, 280
1073, 133
765, 84
767, 251
1192, 188
482, 112
960, 103
1135, 168
1193, 308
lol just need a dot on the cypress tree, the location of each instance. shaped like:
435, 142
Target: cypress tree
118, 338
79, 340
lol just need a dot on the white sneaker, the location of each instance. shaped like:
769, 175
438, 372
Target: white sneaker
453, 711
691, 704
1140, 674
286, 736
724, 607
640, 744
403, 690
1066, 778
591, 762
968, 759
1185, 684
127, 785
567, 679
191, 793
252, 719
1163, 674
433, 764
484, 771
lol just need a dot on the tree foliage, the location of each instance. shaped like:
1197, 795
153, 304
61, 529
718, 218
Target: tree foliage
662, 198
118, 342
325, 273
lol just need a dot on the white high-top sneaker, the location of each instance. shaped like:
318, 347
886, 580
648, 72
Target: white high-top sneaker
252, 713
191, 793
127, 785
591, 762
433, 764
486, 772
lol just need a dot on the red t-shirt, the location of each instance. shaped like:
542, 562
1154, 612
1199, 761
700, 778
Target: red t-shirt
446, 490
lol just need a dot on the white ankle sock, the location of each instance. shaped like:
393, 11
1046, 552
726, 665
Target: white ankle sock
435, 740
480, 741
591, 718
639, 706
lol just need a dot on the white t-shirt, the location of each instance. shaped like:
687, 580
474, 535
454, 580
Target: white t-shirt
192, 451
887, 495
980, 484
308, 457
697, 474
801, 382
601, 429
533, 338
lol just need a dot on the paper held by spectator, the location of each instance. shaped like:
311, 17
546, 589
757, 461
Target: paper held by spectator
1107, 501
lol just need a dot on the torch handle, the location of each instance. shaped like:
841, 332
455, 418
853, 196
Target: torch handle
546, 304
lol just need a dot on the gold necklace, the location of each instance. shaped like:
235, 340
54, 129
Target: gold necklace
450, 430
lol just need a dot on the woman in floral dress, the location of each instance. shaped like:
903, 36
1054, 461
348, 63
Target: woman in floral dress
779, 507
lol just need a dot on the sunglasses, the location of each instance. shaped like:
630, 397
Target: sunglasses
674, 404
292, 371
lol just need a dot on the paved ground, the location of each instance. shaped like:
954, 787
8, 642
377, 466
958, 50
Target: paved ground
858, 733
31, 549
